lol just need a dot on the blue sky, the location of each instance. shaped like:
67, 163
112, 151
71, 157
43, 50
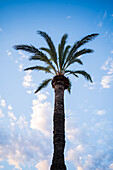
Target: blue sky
26, 118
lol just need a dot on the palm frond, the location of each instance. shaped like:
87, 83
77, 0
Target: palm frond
51, 46
61, 49
28, 48
83, 41
85, 74
38, 68
69, 88
77, 61
64, 55
46, 50
77, 54
42, 57
43, 85
71, 72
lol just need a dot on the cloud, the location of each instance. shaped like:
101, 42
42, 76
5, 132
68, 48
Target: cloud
29, 91
8, 52
1, 114
9, 107
20, 67
90, 144
41, 118
27, 80
20, 144
105, 14
108, 78
22, 122
43, 165
111, 166
69, 17
3, 103
100, 24
101, 112
1, 30
107, 64
22, 55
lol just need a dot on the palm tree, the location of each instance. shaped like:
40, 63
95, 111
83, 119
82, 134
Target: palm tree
59, 66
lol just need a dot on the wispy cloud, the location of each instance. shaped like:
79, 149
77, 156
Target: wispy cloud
105, 14
106, 81
42, 114
21, 144
22, 55
8, 52
108, 78
20, 67
101, 112
68, 17
1, 29
42, 165
100, 24
27, 80
2, 102
81, 137
1, 114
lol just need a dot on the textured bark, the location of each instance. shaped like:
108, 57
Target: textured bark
58, 162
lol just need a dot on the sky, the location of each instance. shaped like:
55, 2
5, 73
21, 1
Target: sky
26, 119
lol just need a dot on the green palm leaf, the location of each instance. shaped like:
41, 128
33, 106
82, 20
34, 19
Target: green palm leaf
77, 54
69, 88
85, 74
78, 44
71, 72
46, 69
38, 54
28, 48
51, 46
61, 49
46, 50
64, 55
43, 85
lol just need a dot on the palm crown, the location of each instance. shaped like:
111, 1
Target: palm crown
58, 63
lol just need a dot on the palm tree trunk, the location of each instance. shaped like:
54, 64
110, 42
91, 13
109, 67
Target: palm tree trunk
58, 162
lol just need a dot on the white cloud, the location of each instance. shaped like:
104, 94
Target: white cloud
43, 165
107, 64
27, 80
1, 166
22, 122
20, 67
9, 107
69, 17
1, 29
105, 14
79, 168
20, 144
112, 52
1, 114
41, 118
100, 24
22, 55
11, 161
8, 52
111, 166
101, 112
11, 115
3, 103
106, 80
29, 91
